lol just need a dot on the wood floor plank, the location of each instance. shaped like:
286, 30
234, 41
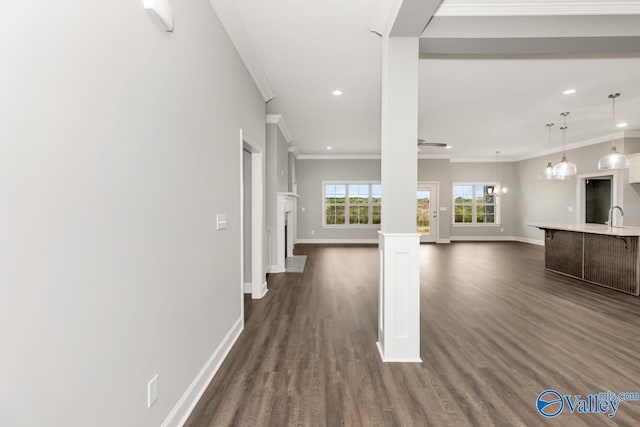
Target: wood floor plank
496, 330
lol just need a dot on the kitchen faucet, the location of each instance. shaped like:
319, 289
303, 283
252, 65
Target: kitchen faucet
611, 215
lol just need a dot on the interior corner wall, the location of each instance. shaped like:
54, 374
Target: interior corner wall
120, 144
292, 184
277, 181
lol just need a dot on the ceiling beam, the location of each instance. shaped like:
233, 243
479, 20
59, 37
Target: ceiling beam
409, 18
531, 36
533, 47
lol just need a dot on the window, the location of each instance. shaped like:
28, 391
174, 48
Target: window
475, 203
351, 203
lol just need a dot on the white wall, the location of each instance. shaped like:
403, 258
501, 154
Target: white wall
119, 143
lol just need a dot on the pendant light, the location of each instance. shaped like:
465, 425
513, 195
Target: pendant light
497, 190
547, 172
564, 169
613, 160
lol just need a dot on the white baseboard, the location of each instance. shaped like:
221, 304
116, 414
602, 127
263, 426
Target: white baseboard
483, 238
248, 288
443, 241
263, 291
530, 241
339, 241
276, 269
180, 413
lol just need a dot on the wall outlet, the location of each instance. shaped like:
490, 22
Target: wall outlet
152, 391
313, 232
303, 209
570, 208
501, 230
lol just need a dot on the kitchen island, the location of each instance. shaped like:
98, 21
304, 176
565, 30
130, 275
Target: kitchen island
594, 253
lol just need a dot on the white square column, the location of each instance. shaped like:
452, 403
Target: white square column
399, 282
399, 298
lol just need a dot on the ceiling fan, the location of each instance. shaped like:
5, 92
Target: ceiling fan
424, 144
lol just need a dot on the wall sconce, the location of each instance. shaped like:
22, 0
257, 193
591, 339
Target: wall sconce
161, 10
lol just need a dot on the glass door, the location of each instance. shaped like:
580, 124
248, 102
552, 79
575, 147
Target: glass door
427, 212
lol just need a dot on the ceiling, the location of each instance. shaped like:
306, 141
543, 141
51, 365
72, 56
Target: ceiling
308, 48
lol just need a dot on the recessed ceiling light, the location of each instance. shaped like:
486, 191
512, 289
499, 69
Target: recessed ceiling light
448, 147
329, 147
621, 125
336, 92
569, 92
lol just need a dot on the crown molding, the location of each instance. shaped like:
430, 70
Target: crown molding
632, 134
278, 119
537, 7
573, 146
233, 25
295, 151
339, 157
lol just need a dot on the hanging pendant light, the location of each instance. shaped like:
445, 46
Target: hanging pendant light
547, 172
613, 160
564, 169
497, 190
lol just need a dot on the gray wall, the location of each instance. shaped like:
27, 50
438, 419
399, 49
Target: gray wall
310, 174
277, 180
120, 144
544, 201
478, 172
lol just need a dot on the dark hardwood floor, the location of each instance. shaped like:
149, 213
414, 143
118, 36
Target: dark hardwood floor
496, 330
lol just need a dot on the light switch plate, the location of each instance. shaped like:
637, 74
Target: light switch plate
221, 221
152, 391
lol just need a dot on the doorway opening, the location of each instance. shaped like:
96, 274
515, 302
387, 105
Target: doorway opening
596, 193
427, 211
598, 199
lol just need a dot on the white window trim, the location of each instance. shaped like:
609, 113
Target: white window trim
498, 205
347, 205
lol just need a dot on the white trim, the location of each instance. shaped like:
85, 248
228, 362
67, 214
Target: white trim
530, 241
482, 159
278, 119
232, 22
338, 241
497, 204
295, 151
248, 287
433, 236
537, 7
483, 238
617, 192
275, 269
180, 413
443, 241
339, 157
433, 156
347, 204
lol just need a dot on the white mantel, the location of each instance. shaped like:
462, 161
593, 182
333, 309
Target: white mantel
286, 212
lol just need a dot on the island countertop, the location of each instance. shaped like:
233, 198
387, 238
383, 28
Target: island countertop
590, 228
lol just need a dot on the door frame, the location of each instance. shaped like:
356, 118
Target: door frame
616, 193
258, 277
435, 221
